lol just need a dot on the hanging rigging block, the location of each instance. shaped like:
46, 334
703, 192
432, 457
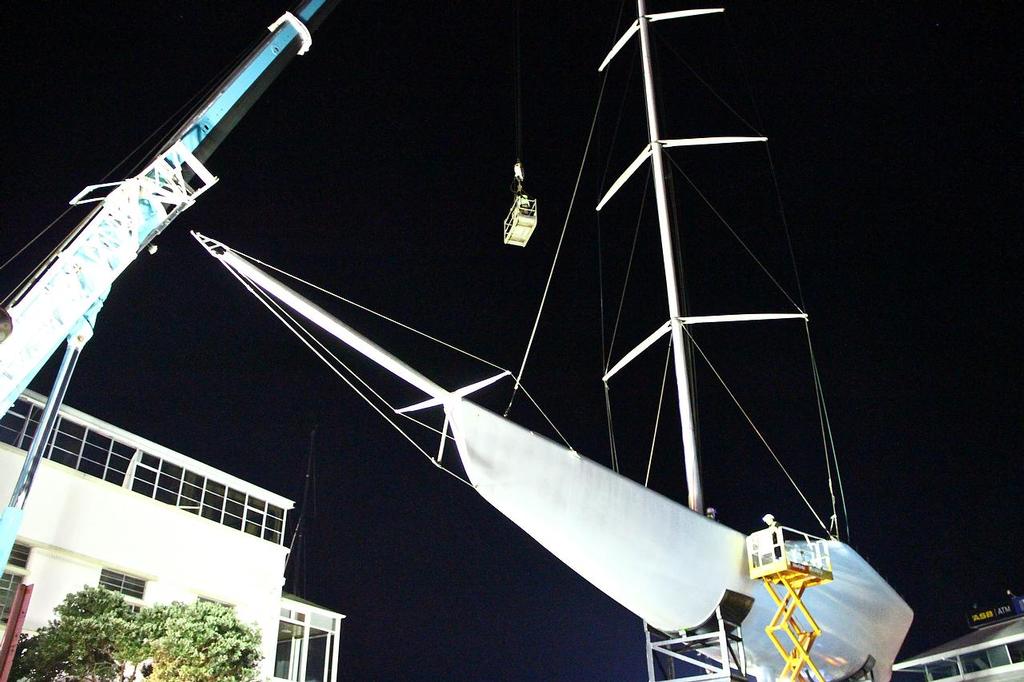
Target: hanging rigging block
521, 220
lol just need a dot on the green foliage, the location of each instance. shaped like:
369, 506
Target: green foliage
96, 637
204, 642
88, 641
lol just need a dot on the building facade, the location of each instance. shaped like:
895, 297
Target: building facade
111, 508
993, 652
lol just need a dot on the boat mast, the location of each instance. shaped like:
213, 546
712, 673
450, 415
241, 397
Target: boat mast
669, 249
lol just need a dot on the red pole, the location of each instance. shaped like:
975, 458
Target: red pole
15, 620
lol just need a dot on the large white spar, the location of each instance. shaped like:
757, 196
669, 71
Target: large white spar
665, 563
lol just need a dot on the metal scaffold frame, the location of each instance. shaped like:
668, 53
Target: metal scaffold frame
713, 651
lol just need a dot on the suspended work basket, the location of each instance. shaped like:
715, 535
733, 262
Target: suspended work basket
521, 220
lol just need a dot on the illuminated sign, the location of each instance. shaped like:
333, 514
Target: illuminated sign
998, 613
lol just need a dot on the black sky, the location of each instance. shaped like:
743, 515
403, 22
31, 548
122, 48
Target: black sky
378, 166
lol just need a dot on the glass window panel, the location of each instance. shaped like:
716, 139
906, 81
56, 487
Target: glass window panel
236, 495
193, 478
170, 482
215, 488
321, 621
120, 456
87, 466
143, 487
212, 513
123, 583
167, 496
272, 535
191, 491
316, 655
997, 656
233, 508
1016, 650
233, 521
65, 448
252, 528
73, 430
114, 476
95, 455
97, 440
288, 656
145, 473
211, 498
275, 512
8, 587
274, 524
171, 469
19, 555
150, 461
256, 503
11, 423
942, 670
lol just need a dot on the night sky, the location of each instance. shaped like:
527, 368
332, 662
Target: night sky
378, 166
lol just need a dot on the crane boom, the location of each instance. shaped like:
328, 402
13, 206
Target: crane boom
62, 297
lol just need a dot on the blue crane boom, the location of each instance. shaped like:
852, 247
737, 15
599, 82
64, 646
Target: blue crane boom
60, 300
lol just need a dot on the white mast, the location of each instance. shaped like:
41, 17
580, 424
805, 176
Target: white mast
668, 251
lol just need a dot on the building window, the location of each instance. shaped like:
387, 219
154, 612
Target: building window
128, 585
942, 670
83, 447
12, 577
215, 601
977, 661
8, 587
73, 444
307, 647
19, 555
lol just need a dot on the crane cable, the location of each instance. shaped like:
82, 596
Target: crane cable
517, 95
561, 240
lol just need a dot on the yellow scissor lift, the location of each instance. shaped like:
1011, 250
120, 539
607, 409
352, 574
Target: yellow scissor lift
789, 562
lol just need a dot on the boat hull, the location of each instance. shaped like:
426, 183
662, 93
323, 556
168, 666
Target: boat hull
665, 563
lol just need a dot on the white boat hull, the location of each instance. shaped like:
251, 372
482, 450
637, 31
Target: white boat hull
659, 559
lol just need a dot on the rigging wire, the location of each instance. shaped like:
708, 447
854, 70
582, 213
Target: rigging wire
657, 416
605, 348
828, 443
298, 535
174, 120
561, 239
294, 325
827, 427
819, 396
629, 268
285, 318
707, 85
407, 328
736, 236
517, 85
753, 426
366, 309
30, 242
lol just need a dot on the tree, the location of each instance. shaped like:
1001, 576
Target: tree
96, 637
89, 641
201, 642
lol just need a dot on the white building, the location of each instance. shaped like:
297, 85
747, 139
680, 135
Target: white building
992, 653
110, 508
